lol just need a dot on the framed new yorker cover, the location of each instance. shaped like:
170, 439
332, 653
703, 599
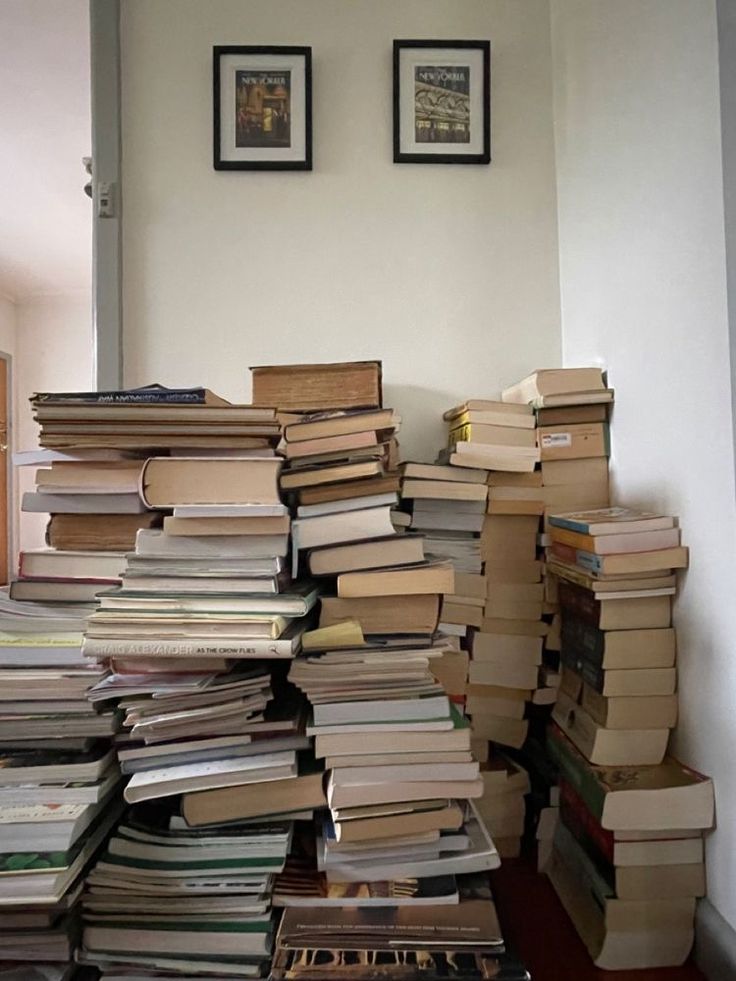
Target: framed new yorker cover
262, 105
442, 102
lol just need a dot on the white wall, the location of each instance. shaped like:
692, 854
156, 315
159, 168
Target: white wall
54, 352
642, 265
448, 273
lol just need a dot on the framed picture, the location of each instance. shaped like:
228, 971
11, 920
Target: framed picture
442, 102
262, 108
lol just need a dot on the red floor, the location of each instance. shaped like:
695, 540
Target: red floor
539, 932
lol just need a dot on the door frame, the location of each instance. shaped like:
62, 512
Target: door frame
10, 522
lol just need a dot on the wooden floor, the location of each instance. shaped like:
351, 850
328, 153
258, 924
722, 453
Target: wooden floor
539, 932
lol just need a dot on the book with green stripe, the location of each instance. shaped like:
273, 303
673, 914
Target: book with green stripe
636, 798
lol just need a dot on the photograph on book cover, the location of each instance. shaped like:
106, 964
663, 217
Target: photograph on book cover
262, 108
442, 102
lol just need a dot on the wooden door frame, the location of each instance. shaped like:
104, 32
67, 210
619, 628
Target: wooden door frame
10, 523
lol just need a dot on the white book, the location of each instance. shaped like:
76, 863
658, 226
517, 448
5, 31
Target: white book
393, 773
153, 543
230, 511
385, 710
352, 504
170, 780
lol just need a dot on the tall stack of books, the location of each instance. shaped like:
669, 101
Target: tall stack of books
615, 568
400, 832
627, 856
571, 407
59, 779
498, 595
204, 608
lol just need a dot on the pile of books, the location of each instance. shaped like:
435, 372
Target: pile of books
193, 637
59, 782
626, 858
615, 568
166, 898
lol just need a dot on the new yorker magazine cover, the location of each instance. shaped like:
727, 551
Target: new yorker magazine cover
262, 108
442, 103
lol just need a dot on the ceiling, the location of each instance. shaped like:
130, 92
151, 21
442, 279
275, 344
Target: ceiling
45, 218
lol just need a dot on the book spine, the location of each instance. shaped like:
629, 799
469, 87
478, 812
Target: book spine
574, 768
583, 640
581, 527
586, 560
171, 397
590, 673
581, 603
95, 647
599, 842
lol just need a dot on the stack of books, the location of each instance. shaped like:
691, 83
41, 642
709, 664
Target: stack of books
571, 407
400, 769
166, 898
615, 568
193, 637
342, 487
626, 857
59, 781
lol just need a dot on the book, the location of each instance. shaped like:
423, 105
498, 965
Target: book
97, 532
346, 490
548, 382
618, 649
167, 482
301, 793
263, 550
146, 394
491, 435
329, 529
321, 425
57, 590
424, 578
32, 766
309, 387
612, 521
38, 502
191, 777
614, 544
659, 560
435, 471
47, 563
609, 747
89, 478
622, 613
630, 712
449, 490
407, 614
304, 477
374, 553
381, 710
574, 441
584, 412
636, 798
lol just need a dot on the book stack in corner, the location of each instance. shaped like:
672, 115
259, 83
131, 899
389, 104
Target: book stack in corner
615, 571
626, 857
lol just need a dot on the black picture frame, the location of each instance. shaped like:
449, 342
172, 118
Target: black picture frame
227, 153
471, 139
